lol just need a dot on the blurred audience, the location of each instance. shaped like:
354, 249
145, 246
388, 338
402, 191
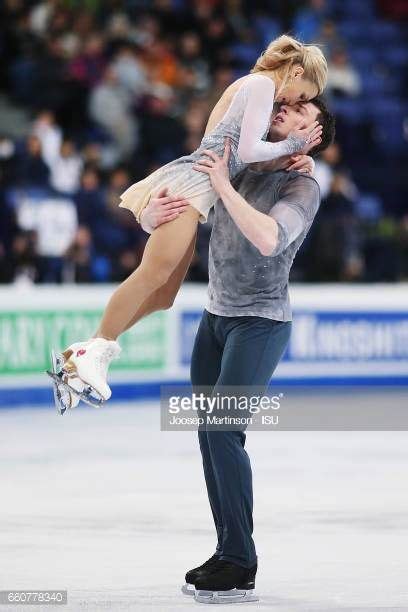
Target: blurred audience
343, 79
65, 169
309, 20
110, 106
113, 90
32, 169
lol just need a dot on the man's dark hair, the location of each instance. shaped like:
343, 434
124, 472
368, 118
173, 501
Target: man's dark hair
328, 123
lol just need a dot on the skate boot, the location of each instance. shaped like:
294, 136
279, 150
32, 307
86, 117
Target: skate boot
66, 390
192, 575
226, 583
90, 364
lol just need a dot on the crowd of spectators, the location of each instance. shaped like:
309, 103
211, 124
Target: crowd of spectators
108, 91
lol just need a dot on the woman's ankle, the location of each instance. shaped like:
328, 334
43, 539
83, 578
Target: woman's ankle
104, 337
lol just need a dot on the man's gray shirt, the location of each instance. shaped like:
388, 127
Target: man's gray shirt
243, 282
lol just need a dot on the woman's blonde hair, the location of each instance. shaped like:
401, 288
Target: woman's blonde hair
285, 52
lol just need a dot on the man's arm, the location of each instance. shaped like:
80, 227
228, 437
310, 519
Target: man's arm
298, 203
161, 209
164, 208
270, 234
258, 228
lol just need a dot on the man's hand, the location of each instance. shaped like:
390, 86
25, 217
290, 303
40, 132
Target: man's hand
310, 135
311, 145
162, 209
216, 167
301, 163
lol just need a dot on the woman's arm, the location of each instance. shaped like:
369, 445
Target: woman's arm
258, 95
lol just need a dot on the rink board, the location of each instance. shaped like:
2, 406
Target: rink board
341, 335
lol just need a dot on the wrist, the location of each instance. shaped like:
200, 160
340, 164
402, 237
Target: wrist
225, 189
294, 143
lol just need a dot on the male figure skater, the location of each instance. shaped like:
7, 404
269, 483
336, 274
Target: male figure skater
259, 224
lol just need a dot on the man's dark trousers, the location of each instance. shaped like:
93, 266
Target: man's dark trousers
233, 351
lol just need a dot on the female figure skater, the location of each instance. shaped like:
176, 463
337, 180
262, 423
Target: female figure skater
286, 72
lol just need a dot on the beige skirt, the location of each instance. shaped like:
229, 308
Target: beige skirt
180, 179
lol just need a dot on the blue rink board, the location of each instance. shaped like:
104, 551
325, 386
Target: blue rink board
373, 339
328, 336
127, 392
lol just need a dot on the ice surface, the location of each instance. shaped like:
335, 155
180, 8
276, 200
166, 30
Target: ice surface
105, 505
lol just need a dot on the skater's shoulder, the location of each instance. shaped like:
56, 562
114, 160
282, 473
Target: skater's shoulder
256, 82
303, 182
251, 81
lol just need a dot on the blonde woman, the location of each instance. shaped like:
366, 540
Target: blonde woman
287, 72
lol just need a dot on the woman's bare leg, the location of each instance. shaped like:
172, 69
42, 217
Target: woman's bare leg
163, 298
164, 250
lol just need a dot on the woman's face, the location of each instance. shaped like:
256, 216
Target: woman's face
298, 90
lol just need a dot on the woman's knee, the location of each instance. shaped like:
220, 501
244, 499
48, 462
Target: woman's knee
168, 303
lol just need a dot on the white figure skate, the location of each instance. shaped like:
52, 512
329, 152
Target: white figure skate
66, 396
90, 364
82, 375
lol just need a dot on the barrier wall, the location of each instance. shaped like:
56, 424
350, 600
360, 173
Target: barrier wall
341, 334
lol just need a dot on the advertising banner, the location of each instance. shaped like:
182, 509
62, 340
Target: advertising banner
339, 334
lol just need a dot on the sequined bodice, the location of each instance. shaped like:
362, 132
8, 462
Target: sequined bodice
216, 142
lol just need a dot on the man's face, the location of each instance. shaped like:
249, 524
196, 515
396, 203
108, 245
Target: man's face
288, 118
